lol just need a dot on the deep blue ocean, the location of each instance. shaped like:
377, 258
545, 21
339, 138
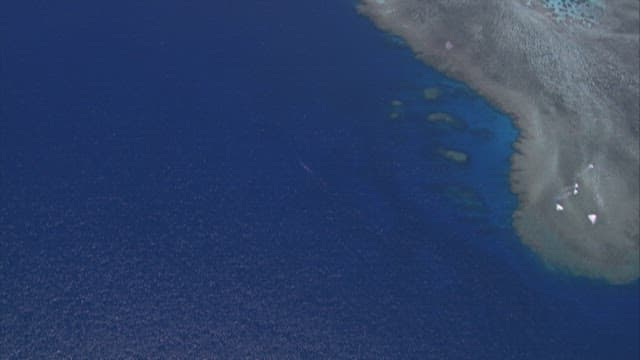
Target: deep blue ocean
224, 179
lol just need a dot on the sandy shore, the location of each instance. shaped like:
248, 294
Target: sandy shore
573, 92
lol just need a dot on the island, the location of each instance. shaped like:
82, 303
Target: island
567, 73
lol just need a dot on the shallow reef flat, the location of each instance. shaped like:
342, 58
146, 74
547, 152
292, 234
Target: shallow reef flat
446, 119
431, 93
453, 155
569, 78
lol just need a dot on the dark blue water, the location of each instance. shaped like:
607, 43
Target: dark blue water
222, 179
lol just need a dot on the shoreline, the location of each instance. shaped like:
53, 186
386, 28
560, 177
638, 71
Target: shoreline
573, 118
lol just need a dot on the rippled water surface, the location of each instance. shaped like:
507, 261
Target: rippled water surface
258, 180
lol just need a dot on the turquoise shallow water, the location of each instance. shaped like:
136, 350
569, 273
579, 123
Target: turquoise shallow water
195, 181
